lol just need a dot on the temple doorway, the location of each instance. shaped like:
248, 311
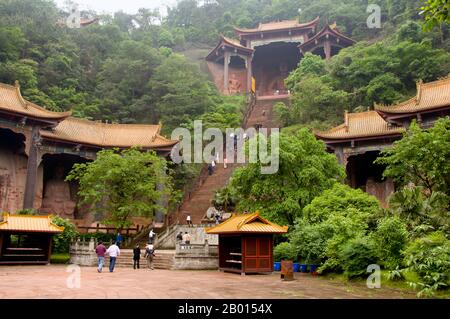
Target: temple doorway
363, 173
272, 64
321, 51
13, 170
60, 197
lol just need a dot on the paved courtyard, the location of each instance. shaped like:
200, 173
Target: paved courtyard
51, 282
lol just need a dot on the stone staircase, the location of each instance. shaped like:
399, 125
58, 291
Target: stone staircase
162, 260
200, 200
263, 113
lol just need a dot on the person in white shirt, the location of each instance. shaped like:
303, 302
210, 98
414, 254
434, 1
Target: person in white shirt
189, 221
149, 254
186, 238
113, 251
151, 236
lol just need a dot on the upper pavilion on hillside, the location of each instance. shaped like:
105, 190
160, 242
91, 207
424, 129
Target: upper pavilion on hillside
268, 53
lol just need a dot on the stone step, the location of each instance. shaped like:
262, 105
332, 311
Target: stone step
162, 260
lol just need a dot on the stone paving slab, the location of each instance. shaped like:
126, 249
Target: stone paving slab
44, 282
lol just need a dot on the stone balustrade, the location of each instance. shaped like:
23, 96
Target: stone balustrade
196, 256
82, 252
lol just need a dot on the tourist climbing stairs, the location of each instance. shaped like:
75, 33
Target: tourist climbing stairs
162, 260
261, 114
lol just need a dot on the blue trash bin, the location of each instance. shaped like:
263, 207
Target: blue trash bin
313, 268
277, 266
303, 268
296, 267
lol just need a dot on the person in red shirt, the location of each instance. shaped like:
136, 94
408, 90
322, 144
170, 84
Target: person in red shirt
100, 250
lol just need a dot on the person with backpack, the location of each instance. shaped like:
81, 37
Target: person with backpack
136, 256
149, 254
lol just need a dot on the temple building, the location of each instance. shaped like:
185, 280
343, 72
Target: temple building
262, 58
358, 141
38, 148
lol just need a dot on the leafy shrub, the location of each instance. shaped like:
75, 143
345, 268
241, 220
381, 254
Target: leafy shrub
59, 258
61, 242
285, 251
391, 238
356, 255
345, 225
310, 241
429, 257
27, 211
339, 199
103, 237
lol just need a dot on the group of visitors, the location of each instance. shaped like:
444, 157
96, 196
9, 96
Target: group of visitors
114, 251
184, 239
148, 255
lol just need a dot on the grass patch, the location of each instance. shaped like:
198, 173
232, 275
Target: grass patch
59, 258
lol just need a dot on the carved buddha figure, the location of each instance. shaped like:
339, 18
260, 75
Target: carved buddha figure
234, 85
57, 199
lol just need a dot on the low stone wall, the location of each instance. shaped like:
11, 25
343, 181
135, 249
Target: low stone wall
198, 237
196, 257
82, 252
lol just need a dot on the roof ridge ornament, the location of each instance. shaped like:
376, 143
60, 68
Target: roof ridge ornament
419, 91
19, 94
346, 119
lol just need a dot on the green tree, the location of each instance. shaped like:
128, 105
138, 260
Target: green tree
436, 12
119, 185
336, 216
429, 257
391, 237
421, 157
12, 43
305, 171
61, 242
310, 64
313, 99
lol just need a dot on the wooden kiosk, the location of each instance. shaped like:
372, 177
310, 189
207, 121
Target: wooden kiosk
246, 243
26, 239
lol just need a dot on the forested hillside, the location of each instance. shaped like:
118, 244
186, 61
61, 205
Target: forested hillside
108, 71
131, 68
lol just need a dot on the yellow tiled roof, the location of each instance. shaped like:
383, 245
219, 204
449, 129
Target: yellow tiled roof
358, 125
280, 25
235, 43
108, 135
429, 96
11, 100
328, 29
24, 223
247, 223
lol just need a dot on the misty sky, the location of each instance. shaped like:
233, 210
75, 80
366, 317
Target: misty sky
110, 6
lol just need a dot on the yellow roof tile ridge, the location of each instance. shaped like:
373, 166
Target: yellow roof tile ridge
381, 107
248, 219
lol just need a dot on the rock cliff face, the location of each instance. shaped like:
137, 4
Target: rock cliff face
13, 173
